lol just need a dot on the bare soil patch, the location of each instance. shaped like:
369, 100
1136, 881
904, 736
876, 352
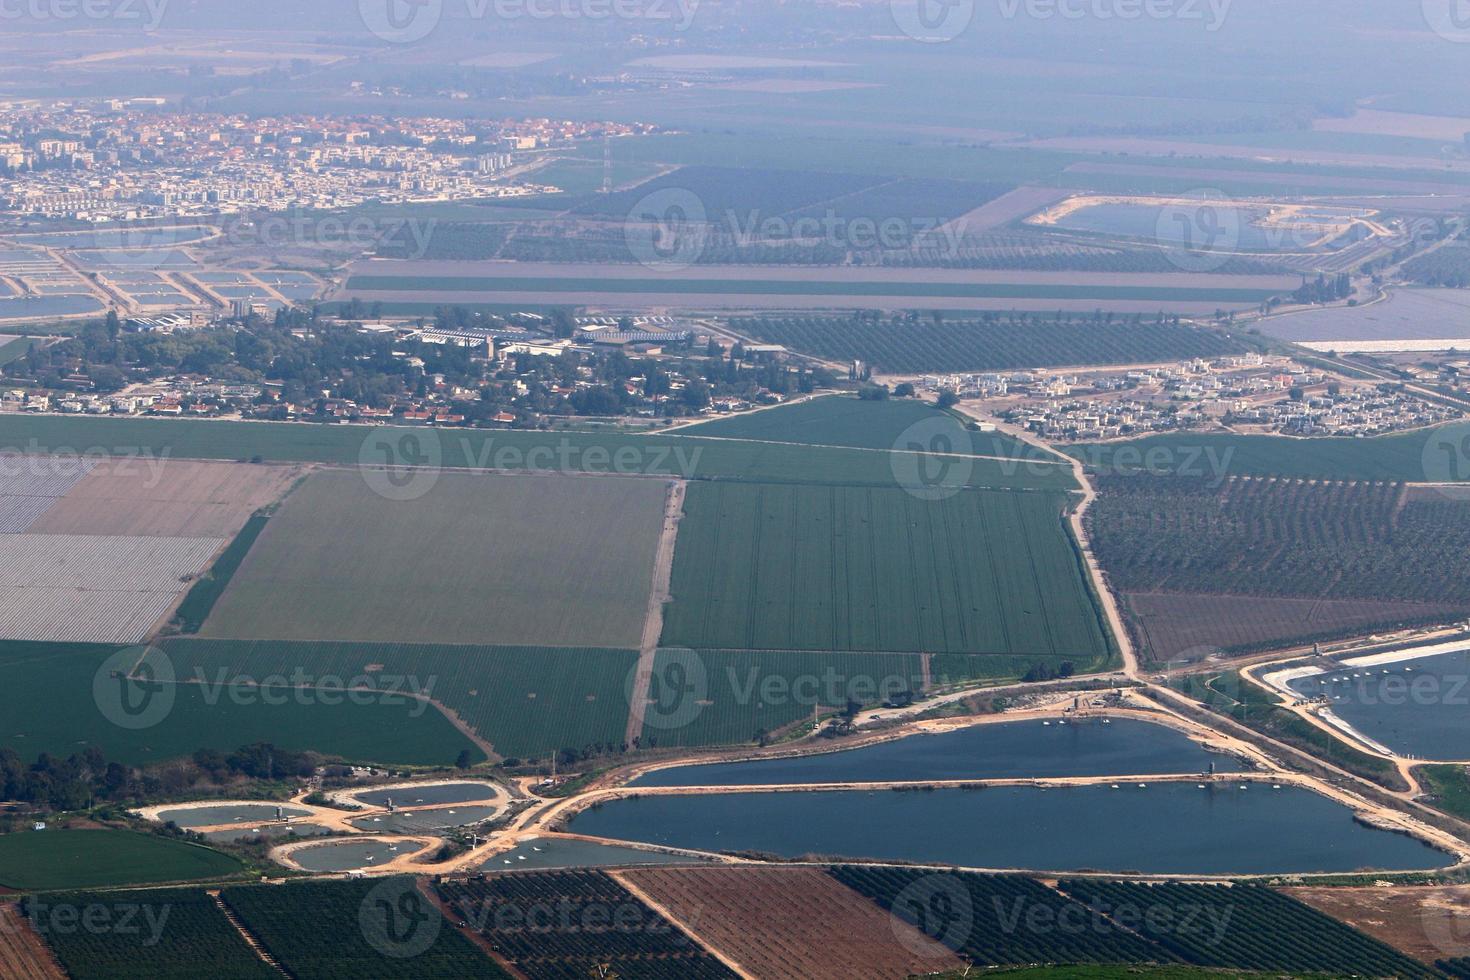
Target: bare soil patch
171, 498
23, 956
1427, 923
794, 923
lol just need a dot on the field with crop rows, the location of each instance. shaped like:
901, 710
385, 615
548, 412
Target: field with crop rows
1404, 555
1246, 927
90, 588
335, 930
791, 923
985, 917
999, 342
525, 701
161, 934
818, 568
477, 558
23, 955
48, 703
564, 924
165, 498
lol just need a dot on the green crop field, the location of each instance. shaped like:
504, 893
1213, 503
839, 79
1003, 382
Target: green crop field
804, 287
334, 930
160, 934
1432, 455
48, 703
837, 420
49, 860
527, 702
518, 451
818, 568
480, 558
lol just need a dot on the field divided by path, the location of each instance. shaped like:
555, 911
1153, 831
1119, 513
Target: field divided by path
49, 703
525, 701
821, 568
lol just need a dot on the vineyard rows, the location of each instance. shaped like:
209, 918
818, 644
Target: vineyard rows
995, 343
1281, 538
558, 924
998, 920
169, 934
1246, 927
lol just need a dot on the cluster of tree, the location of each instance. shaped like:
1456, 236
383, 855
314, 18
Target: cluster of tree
1324, 289
88, 778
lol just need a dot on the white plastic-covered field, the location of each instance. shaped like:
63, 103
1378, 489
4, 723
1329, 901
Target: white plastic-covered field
92, 589
30, 485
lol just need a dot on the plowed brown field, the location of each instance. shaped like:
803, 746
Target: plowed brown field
776, 923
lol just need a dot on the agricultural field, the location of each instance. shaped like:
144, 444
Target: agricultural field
826, 288
1402, 457
729, 697
738, 190
837, 420
796, 923
977, 915
93, 589
1265, 929
816, 568
1448, 267
1179, 627
165, 498
1428, 923
532, 560
54, 860
507, 451
1419, 319
23, 955
32, 485
327, 930
169, 934
527, 702
207, 588
1402, 554
997, 342
597, 924
49, 692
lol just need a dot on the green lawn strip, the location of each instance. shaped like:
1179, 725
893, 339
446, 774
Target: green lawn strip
204, 593
48, 705
56, 859
802, 287
577, 452
528, 702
